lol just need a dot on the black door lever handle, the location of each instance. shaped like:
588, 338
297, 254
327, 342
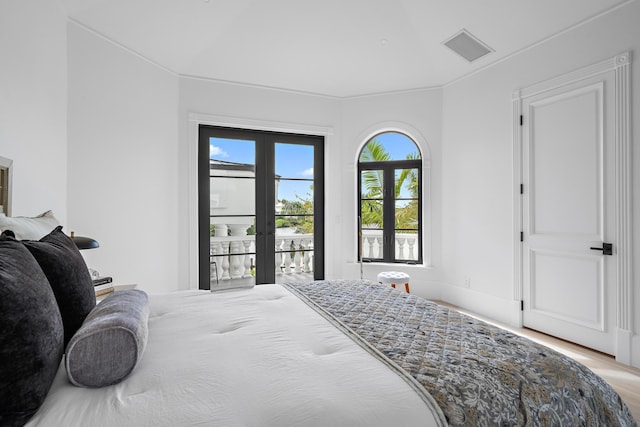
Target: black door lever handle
607, 249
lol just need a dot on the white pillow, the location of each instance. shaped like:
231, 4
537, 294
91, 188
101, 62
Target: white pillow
28, 228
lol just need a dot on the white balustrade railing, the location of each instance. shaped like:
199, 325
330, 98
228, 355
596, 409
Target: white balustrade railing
406, 245
234, 256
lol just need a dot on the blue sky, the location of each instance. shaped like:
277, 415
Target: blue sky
296, 161
397, 145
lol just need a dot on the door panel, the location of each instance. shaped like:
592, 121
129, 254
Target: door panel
551, 271
569, 289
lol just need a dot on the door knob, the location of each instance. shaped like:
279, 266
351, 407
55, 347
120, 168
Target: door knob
607, 249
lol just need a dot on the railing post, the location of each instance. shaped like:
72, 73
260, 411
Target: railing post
247, 259
225, 261
278, 257
401, 242
412, 242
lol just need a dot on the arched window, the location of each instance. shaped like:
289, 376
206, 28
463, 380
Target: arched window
390, 200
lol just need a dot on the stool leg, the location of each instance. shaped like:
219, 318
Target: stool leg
406, 287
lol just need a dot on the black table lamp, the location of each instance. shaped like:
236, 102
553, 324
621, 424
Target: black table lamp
84, 242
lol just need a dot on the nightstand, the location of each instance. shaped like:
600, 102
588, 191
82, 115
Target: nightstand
116, 288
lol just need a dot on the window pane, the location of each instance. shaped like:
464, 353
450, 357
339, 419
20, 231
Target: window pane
371, 214
406, 215
294, 224
406, 183
372, 244
294, 197
389, 146
232, 151
294, 161
407, 246
232, 196
371, 184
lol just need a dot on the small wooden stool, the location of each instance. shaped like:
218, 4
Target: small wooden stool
394, 278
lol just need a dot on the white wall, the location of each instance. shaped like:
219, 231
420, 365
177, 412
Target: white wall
419, 114
478, 237
123, 168
33, 104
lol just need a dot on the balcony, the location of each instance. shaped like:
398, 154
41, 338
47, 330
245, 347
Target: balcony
233, 256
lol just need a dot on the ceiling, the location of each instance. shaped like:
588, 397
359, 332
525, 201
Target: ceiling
336, 48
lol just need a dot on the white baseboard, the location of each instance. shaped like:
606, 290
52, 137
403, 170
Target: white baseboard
500, 309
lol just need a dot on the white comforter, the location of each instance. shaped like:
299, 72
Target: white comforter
253, 357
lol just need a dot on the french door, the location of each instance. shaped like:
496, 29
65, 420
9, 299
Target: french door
260, 207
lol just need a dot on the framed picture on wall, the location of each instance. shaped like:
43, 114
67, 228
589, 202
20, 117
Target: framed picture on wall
5, 185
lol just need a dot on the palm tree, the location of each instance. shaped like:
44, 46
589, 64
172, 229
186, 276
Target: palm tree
372, 187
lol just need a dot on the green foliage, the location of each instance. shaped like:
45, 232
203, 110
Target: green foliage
297, 213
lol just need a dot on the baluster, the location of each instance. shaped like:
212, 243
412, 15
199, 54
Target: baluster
225, 262
247, 258
379, 247
234, 260
412, 242
297, 260
401, 242
371, 240
278, 257
287, 258
305, 259
216, 251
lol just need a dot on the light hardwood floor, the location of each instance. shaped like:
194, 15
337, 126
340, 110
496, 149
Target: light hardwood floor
624, 379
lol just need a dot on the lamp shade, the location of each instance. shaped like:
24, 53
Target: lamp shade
85, 242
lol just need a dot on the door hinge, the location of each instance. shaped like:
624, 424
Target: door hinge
522, 236
521, 188
521, 305
521, 119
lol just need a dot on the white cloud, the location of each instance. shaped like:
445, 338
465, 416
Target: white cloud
217, 151
307, 172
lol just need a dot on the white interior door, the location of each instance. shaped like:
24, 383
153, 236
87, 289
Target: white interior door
568, 287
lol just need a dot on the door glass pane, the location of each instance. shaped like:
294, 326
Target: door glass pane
371, 213
232, 213
406, 215
294, 211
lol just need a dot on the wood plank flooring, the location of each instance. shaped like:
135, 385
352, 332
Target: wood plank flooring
624, 379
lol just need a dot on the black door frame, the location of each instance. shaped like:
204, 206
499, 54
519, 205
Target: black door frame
265, 197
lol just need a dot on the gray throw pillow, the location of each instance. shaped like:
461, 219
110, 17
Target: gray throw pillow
111, 341
68, 276
31, 334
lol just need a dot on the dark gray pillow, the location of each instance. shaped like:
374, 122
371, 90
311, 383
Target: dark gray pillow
31, 334
108, 346
68, 276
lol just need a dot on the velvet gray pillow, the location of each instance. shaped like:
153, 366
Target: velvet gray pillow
68, 276
108, 346
31, 334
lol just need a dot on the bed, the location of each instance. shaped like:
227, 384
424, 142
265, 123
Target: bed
322, 353
339, 353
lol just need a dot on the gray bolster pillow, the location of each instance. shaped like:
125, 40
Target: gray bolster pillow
110, 342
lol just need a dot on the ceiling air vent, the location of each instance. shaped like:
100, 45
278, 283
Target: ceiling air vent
467, 46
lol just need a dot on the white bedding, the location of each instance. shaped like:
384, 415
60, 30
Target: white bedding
253, 357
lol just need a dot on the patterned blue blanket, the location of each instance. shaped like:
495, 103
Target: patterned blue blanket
479, 374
